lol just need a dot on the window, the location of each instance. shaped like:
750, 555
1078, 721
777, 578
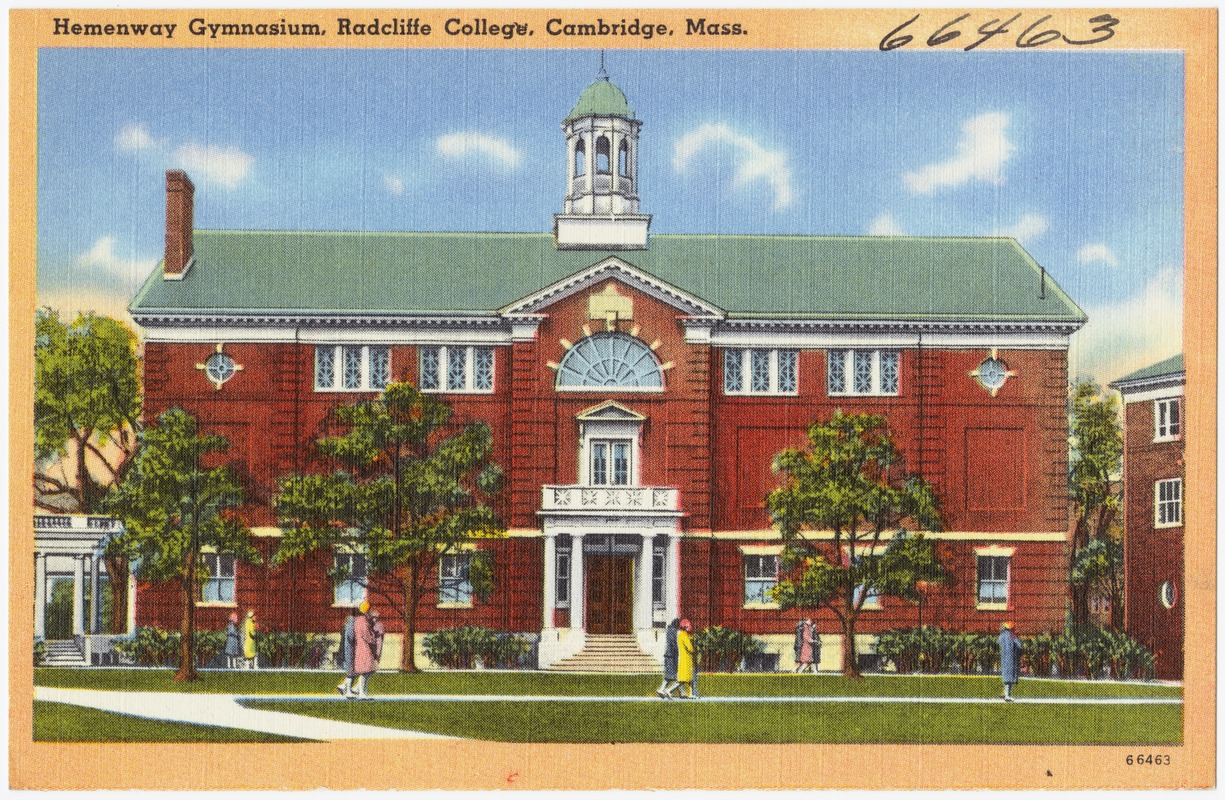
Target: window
760, 576
768, 371
870, 372
993, 580
610, 462
454, 585
563, 575
352, 367
872, 601
218, 586
220, 368
1167, 418
623, 159
602, 155
580, 158
610, 361
1167, 495
460, 369
351, 571
1168, 594
659, 563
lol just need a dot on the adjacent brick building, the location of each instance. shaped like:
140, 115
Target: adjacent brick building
638, 387
1154, 516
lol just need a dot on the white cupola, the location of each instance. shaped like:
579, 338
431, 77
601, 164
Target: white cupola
600, 211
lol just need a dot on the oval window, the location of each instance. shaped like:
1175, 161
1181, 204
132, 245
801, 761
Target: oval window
992, 374
220, 368
1169, 594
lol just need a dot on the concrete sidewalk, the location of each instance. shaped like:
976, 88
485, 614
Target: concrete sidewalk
528, 698
222, 710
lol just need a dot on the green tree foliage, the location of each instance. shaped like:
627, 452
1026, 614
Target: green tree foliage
408, 491
86, 420
1094, 483
173, 506
1099, 567
847, 483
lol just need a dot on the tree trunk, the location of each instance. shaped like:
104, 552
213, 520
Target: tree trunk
1080, 603
84, 484
187, 633
117, 573
850, 661
408, 658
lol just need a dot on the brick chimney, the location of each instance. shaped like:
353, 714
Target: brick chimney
179, 219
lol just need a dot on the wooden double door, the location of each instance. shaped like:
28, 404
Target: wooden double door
609, 594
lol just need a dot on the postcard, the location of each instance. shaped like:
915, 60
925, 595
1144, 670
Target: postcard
612, 399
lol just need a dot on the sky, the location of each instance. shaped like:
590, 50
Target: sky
1078, 155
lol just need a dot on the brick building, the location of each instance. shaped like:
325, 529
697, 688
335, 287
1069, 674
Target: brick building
638, 387
1154, 513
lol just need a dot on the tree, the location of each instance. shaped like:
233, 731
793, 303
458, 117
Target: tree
1099, 566
407, 494
86, 420
839, 497
173, 506
1094, 472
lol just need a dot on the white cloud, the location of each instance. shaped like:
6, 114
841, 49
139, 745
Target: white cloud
102, 256
1029, 226
1097, 252
754, 162
109, 302
393, 184
467, 143
1132, 333
885, 225
981, 154
136, 137
227, 166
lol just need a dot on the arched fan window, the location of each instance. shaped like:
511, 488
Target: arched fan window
610, 360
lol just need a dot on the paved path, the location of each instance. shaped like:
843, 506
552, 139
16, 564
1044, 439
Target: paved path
222, 710
540, 698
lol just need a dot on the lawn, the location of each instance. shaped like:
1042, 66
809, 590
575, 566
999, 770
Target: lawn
771, 723
60, 722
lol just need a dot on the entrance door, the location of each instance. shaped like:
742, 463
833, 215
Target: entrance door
609, 594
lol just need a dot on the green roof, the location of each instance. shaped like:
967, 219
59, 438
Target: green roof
802, 277
1171, 366
602, 99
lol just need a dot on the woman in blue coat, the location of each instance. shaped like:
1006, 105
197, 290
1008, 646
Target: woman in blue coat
671, 655
1010, 660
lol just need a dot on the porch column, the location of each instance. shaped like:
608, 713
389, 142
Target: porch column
550, 578
95, 594
576, 581
131, 605
642, 592
40, 594
672, 581
78, 595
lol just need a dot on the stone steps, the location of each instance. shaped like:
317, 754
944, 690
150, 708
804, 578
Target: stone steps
63, 653
609, 653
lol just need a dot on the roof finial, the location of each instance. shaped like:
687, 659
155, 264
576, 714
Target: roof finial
603, 73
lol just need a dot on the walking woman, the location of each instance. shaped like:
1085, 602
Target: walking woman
686, 663
670, 658
248, 641
233, 643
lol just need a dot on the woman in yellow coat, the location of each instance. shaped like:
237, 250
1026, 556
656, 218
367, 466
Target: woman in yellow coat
248, 640
686, 663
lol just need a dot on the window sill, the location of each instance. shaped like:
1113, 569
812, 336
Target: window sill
445, 606
619, 389
346, 605
1177, 438
865, 394
726, 393
457, 391
1163, 526
992, 606
329, 390
760, 606
214, 604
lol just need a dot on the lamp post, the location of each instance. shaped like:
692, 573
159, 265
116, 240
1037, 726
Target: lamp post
921, 587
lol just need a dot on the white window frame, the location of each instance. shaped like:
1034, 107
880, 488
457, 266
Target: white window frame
848, 372
212, 561
992, 605
561, 583
745, 357
444, 368
759, 553
592, 432
610, 445
338, 351
1163, 429
444, 579
357, 596
1174, 503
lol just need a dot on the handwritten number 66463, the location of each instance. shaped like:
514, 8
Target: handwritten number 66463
1035, 35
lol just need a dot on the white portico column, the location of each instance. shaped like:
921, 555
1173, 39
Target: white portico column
40, 594
672, 580
95, 594
642, 592
576, 581
78, 595
550, 579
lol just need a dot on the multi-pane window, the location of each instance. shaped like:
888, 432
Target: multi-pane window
760, 576
218, 586
563, 576
659, 562
1167, 495
1167, 418
454, 585
352, 368
351, 571
610, 360
610, 462
458, 368
753, 371
867, 372
993, 579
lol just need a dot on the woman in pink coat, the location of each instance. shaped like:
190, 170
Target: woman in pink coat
368, 646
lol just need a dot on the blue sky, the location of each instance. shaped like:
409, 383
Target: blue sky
1078, 155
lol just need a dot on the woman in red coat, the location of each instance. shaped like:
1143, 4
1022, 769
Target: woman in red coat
368, 646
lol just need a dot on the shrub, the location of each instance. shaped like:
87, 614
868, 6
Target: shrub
150, 647
901, 647
508, 652
723, 649
1036, 654
40, 652
459, 648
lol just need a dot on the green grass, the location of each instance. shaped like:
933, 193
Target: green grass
771, 723
60, 722
563, 685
